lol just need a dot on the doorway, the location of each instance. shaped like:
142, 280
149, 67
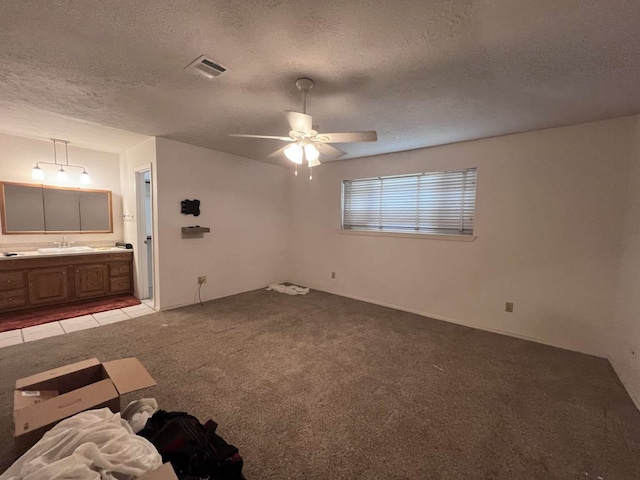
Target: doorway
144, 224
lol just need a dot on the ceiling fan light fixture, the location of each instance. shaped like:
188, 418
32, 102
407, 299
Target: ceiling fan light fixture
305, 138
294, 153
314, 163
311, 152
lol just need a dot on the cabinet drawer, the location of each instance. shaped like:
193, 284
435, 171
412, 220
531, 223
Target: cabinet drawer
120, 284
119, 269
11, 280
12, 298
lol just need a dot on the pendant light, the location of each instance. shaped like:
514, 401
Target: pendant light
85, 178
62, 175
38, 174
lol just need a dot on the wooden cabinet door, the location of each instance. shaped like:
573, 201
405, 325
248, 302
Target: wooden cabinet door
91, 280
48, 285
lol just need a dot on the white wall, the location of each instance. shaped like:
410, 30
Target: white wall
625, 341
18, 155
139, 157
244, 202
548, 224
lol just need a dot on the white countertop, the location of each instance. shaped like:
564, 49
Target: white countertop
34, 253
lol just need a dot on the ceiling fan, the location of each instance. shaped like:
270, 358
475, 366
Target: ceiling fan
305, 143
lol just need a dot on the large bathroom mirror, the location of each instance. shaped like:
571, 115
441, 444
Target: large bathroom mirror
41, 209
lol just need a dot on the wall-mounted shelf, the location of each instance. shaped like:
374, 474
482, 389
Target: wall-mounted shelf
196, 229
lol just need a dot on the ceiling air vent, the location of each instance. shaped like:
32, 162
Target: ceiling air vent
207, 67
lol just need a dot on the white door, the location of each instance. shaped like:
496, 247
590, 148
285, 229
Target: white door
144, 224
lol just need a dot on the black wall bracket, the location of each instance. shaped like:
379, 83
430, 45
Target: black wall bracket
190, 207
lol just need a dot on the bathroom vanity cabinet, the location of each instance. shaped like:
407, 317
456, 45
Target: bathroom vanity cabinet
35, 281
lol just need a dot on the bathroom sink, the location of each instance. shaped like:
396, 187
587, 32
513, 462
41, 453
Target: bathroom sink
65, 249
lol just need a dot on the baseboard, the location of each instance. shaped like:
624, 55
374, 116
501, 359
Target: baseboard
635, 395
461, 322
208, 299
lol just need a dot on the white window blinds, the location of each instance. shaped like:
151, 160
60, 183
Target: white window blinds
436, 203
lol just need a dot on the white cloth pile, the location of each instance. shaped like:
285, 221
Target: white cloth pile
288, 289
92, 445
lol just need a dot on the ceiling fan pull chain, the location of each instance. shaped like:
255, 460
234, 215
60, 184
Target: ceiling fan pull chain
296, 172
310, 173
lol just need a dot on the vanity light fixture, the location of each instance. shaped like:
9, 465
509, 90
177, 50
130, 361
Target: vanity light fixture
38, 174
62, 175
85, 178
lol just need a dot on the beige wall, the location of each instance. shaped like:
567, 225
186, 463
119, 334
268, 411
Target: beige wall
625, 338
244, 202
18, 155
548, 224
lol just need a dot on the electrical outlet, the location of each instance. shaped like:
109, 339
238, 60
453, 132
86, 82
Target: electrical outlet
202, 280
333, 274
508, 307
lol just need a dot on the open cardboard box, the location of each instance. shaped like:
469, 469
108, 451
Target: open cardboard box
44, 399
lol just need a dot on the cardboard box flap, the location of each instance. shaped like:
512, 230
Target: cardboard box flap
41, 379
128, 375
165, 472
53, 410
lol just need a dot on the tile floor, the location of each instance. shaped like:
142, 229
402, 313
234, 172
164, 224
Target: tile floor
68, 325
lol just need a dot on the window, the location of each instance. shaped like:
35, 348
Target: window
430, 203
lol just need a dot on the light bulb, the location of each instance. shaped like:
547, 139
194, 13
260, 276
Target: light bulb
294, 153
311, 152
84, 178
37, 173
62, 175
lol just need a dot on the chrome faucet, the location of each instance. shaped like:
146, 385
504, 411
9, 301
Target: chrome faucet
64, 243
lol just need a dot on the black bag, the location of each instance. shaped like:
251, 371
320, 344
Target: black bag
194, 450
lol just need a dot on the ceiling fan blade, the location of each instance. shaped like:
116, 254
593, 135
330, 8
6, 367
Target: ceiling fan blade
346, 137
244, 135
300, 122
329, 151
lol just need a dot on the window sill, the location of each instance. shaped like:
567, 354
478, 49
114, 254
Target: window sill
423, 236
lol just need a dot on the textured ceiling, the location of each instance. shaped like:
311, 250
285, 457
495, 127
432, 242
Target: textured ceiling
420, 72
